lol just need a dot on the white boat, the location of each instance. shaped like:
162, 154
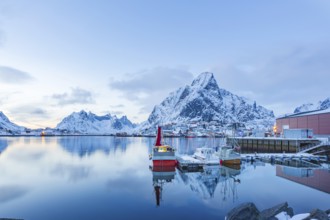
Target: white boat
228, 156
205, 154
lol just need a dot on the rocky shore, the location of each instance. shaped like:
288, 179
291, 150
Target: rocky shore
279, 212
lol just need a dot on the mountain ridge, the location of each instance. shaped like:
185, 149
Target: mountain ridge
8, 127
204, 100
320, 105
90, 123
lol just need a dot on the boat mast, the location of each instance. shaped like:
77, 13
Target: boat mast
159, 137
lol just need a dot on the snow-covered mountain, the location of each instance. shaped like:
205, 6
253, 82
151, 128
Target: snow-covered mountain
321, 105
8, 127
89, 123
204, 101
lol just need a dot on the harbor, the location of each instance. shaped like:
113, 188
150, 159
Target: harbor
284, 151
272, 144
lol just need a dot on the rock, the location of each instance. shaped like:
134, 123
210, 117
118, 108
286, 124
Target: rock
272, 212
328, 211
244, 211
290, 212
317, 214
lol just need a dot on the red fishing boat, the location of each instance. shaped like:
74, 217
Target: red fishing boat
162, 154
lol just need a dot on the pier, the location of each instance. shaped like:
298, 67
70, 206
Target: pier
272, 144
188, 163
285, 159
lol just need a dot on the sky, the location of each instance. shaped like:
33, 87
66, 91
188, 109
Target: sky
125, 57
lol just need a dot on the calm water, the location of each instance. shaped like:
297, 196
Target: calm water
109, 178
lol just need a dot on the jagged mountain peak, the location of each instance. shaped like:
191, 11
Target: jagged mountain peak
205, 80
91, 116
90, 123
204, 101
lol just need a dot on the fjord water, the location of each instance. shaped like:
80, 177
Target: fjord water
109, 178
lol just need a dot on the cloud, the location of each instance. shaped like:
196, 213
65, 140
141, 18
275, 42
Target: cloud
30, 115
117, 113
77, 96
286, 80
27, 110
150, 87
117, 106
13, 76
2, 38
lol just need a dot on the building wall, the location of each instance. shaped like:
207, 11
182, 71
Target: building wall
320, 123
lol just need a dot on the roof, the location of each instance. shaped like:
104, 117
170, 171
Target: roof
314, 112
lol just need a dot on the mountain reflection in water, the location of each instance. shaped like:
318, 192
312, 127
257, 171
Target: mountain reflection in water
89, 177
86, 145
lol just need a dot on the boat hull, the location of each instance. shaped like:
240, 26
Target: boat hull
230, 162
164, 163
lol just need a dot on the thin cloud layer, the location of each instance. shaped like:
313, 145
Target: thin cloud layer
14, 76
28, 110
76, 96
150, 87
297, 75
2, 38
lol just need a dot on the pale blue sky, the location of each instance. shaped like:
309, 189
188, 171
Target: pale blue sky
61, 56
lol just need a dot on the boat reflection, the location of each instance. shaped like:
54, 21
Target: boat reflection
205, 183
230, 180
160, 176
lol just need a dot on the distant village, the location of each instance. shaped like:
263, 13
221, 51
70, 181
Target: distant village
189, 130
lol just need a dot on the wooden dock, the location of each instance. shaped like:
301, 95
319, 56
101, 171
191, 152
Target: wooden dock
272, 144
188, 163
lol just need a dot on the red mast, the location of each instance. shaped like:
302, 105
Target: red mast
159, 137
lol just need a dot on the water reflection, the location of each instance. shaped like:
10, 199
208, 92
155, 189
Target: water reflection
230, 182
204, 183
113, 177
11, 192
3, 145
74, 172
315, 178
160, 177
223, 182
87, 145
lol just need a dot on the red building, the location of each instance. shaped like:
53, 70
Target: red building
318, 120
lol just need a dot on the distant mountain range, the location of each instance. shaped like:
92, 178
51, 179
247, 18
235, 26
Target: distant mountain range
321, 105
7, 127
89, 123
201, 102
204, 101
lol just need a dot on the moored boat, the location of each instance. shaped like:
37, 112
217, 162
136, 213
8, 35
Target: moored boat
228, 156
162, 154
205, 154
